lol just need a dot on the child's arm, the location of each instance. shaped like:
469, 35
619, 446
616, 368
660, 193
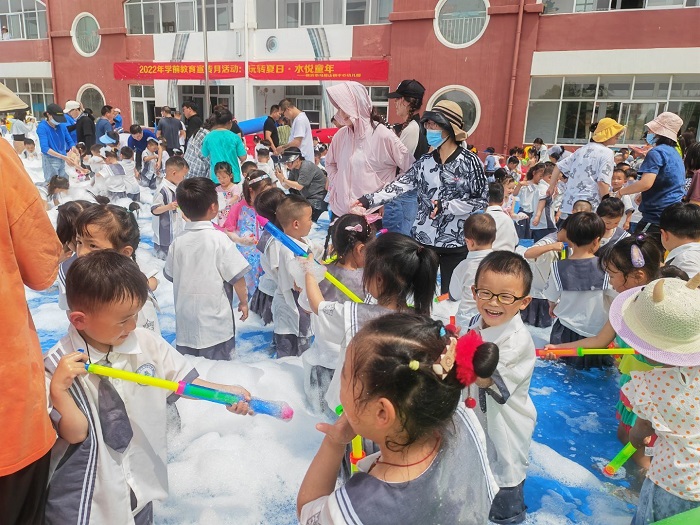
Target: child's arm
313, 292
242, 293
535, 251
73, 425
538, 213
602, 340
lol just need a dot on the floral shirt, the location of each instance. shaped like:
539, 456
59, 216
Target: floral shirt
590, 164
459, 185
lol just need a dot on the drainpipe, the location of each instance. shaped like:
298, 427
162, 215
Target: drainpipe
516, 57
51, 62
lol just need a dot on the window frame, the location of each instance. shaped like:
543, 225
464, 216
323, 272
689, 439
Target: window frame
217, 5
143, 100
21, 21
464, 89
46, 92
441, 38
74, 36
609, 8
81, 92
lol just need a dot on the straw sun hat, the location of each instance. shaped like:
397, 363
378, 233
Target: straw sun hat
448, 115
9, 101
661, 320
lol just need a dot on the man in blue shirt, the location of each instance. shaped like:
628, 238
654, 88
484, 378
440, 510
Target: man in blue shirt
55, 142
104, 123
138, 140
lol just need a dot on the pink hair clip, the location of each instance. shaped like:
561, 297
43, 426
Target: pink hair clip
357, 228
372, 217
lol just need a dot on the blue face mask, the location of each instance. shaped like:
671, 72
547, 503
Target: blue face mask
434, 137
53, 121
650, 138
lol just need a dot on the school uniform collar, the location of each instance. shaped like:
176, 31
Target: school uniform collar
494, 333
129, 347
679, 250
169, 185
199, 225
495, 208
478, 254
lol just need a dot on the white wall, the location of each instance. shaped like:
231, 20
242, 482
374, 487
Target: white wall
25, 70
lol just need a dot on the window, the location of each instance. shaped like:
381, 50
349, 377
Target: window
380, 99
467, 100
143, 104
585, 6
308, 99
563, 115
218, 96
91, 97
146, 17
24, 19
272, 14
36, 92
458, 23
85, 34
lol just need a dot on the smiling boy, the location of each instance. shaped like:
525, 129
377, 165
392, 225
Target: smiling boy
501, 290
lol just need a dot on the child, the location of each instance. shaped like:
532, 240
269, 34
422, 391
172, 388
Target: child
617, 181
149, 163
96, 162
163, 157
205, 268
508, 206
660, 321
229, 193
121, 424
56, 192
513, 167
396, 267
525, 191
292, 325
501, 290
581, 206
65, 229
167, 220
114, 177
479, 234
266, 205
680, 235
506, 235
432, 466
30, 152
636, 217
611, 210
576, 288
264, 162
131, 174
350, 234
542, 222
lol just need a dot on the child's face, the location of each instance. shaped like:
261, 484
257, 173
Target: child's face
30, 147
109, 325
224, 177
96, 239
152, 146
302, 226
617, 180
493, 311
621, 282
508, 188
536, 176
611, 222
263, 159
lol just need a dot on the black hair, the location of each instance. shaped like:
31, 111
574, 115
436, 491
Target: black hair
263, 152
481, 227
500, 175
584, 228
517, 150
538, 141
665, 141
96, 148
30, 142
535, 167
344, 239
221, 117
404, 268
631, 173
673, 272
267, 202
620, 170
682, 220
620, 166
101, 199
619, 256
692, 158
582, 201
135, 129
191, 105
248, 166
176, 162
266, 142
496, 193
262, 182
111, 154
223, 166
105, 110
104, 277
414, 104
506, 263
119, 225
57, 183
285, 104
513, 160
195, 196
274, 107
20, 114
610, 207
67, 216
291, 209
127, 152
591, 130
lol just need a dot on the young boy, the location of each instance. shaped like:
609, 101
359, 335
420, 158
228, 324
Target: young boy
264, 162
680, 235
617, 181
501, 290
131, 174
612, 211
30, 152
636, 216
581, 206
513, 167
114, 176
149, 163
577, 286
292, 324
110, 458
167, 220
542, 222
205, 268
480, 231
506, 236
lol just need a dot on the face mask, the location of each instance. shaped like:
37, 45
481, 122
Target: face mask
650, 138
52, 121
434, 137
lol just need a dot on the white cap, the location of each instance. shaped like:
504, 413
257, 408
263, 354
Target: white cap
71, 105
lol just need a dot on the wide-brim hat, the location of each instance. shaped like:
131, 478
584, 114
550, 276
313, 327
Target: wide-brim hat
661, 320
667, 125
9, 101
448, 115
606, 129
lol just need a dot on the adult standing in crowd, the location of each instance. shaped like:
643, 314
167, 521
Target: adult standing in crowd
21, 127
400, 213
117, 120
55, 142
138, 141
193, 122
198, 163
590, 168
662, 174
85, 128
304, 178
364, 154
169, 129
72, 111
270, 128
300, 135
451, 186
103, 125
30, 258
220, 145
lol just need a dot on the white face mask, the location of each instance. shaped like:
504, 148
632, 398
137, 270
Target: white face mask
52, 121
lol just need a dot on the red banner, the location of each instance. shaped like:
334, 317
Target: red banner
359, 70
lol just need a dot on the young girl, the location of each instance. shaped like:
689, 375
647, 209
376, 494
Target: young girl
661, 322
56, 192
350, 234
229, 193
396, 267
261, 303
524, 191
692, 167
401, 390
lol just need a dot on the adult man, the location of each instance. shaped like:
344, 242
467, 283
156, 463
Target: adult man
72, 111
192, 120
138, 140
29, 258
270, 128
169, 128
304, 178
300, 136
55, 142
199, 165
104, 123
85, 128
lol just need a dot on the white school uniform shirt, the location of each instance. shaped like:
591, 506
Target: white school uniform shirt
467, 304
165, 195
200, 260
113, 182
269, 262
506, 236
284, 308
509, 427
686, 257
142, 467
525, 196
132, 185
629, 207
539, 193
541, 266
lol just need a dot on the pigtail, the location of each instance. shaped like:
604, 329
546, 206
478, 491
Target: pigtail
422, 282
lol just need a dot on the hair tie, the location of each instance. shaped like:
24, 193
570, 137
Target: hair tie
641, 237
443, 333
637, 256
414, 365
419, 249
258, 179
357, 228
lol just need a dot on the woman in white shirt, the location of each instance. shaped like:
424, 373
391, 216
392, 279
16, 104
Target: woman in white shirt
21, 128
